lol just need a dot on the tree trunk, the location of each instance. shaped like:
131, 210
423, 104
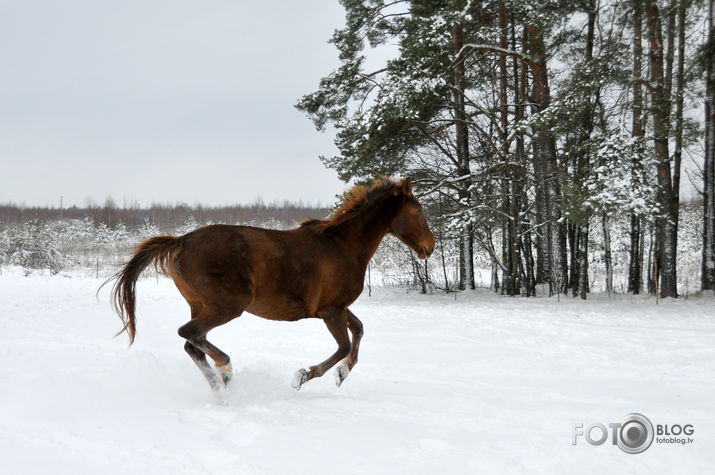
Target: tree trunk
545, 159
584, 159
708, 261
444, 265
420, 277
470, 258
635, 254
543, 264
669, 59
573, 257
678, 133
530, 280
463, 252
495, 276
583, 286
462, 147
519, 72
607, 255
666, 222
507, 276
440, 240
510, 206
679, 92
524, 220
652, 260
635, 267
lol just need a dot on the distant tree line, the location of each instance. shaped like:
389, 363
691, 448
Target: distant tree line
529, 126
165, 216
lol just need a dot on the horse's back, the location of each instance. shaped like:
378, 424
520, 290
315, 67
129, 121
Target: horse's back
272, 273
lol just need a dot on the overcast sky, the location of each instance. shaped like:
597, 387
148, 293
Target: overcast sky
166, 101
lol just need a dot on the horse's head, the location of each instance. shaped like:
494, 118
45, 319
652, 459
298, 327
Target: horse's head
410, 225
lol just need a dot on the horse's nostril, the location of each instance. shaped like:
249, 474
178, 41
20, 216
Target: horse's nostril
427, 251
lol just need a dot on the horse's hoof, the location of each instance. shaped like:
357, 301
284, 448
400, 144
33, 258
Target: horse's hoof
226, 373
299, 378
341, 373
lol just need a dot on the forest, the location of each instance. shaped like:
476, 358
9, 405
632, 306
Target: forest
531, 127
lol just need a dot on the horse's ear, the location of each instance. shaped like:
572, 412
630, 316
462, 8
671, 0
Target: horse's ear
406, 187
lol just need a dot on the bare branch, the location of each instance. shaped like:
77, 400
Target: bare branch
469, 48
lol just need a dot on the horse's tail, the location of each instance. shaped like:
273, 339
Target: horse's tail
160, 251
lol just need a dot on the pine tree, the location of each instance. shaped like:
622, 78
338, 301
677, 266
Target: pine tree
708, 260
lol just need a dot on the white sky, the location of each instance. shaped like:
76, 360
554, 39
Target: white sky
163, 100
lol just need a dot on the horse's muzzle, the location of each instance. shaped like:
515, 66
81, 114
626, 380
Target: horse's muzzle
425, 252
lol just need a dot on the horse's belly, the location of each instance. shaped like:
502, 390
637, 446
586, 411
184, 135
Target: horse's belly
289, 311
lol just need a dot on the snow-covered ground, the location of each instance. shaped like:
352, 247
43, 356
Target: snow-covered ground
469, 384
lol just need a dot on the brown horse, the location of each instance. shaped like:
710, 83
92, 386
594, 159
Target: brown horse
314, 271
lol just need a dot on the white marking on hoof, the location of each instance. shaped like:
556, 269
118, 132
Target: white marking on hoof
299, 378
211, 377
226, 372
341, 373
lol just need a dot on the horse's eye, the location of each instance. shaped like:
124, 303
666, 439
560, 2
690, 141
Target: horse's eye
419, 211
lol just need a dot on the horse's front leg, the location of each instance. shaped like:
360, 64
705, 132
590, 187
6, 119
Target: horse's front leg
338, 326
343, 369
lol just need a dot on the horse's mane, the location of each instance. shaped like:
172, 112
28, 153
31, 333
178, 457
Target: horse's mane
353, 201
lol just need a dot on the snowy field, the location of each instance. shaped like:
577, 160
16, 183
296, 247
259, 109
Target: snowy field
472, 384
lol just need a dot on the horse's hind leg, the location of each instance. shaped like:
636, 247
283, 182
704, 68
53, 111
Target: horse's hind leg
199, 358
197, 346
197, 355
337, 325
343, 369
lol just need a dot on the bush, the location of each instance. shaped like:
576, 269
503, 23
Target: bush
32, 245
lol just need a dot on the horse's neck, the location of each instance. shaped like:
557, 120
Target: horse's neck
365, 231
